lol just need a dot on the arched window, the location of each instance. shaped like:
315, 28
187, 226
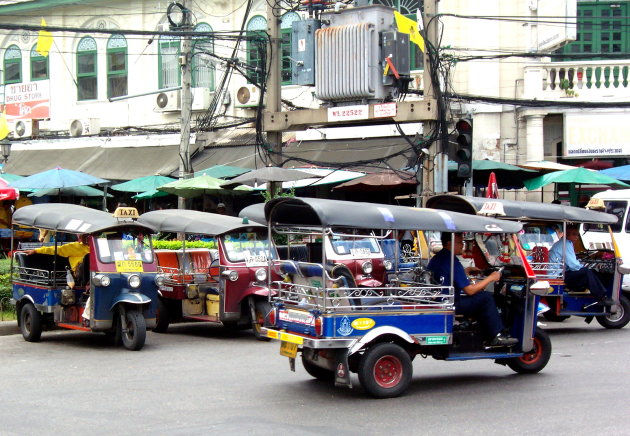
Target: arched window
285, 31
168, 62
203, 71
256, 46
87, 83
12, 65
39, 65
116, 66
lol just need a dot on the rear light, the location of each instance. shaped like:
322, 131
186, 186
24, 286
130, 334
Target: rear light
319, 326
272, 316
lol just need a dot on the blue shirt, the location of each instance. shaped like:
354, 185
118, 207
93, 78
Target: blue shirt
440, 266
571, 262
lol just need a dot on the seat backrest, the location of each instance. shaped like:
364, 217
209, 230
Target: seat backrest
167, 259
540, 260
315, 252
201, 260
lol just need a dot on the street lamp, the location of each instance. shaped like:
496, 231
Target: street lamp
5, 150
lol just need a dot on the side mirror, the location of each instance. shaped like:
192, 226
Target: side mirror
215, 271
624, 268
541, 288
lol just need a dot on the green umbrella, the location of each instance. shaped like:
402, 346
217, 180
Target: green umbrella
197, 186
143, 184
153, 193
76, 191
222, 171
577, 176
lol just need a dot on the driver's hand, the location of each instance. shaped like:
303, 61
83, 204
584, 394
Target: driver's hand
495, 276
472, 270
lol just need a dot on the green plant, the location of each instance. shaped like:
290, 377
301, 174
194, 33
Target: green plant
267, 196
5, 265
565, 85
7, 311
176, 245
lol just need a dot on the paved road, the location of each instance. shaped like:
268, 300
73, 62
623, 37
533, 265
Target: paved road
200, 379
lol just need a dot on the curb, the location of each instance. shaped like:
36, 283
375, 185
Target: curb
8, 328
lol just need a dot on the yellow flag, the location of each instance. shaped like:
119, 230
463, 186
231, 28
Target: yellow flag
44, 41
4, 127
410, 27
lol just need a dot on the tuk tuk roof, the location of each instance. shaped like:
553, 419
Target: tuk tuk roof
522, 210
70, 218
336, 213
194, 221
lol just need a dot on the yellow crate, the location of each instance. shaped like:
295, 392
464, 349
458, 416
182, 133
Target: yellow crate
212, 304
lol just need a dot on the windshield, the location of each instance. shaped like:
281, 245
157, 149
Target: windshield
117, 246
617, 208
357, 247
248, 247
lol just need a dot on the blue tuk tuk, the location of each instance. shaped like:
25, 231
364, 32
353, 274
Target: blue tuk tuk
106, 281
341, 328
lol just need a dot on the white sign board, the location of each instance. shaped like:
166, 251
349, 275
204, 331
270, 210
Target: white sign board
384, 110
596, 134
348, 113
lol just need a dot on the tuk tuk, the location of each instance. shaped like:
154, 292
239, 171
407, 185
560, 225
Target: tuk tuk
340, 327
107, 282
226, 285
542, 223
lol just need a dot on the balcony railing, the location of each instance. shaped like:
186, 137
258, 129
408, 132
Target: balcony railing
582, 80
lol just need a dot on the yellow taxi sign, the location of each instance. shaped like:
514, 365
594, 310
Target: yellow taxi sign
596, 204
126, 213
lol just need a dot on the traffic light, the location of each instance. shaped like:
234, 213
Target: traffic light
464, 152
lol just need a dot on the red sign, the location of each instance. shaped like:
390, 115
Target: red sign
30, 100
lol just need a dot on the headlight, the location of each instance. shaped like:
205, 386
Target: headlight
388, 265
261, 274
134, 281
101, 280
159, 279
232, 275
367, 267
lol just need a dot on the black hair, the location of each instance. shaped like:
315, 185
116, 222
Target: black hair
445, 238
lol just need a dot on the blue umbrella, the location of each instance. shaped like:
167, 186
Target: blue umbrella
621, 173
56, 178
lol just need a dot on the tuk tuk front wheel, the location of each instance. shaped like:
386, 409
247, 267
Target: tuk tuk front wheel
134, 330
258, 309
163, 317
618, 319
536, 359
385, 370
30, 323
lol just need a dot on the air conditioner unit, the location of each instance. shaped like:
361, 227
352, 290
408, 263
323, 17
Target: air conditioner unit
168, 101
85, 127
248, 96
201, 99
23, 129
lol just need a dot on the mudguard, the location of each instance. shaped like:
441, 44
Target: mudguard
258, 290
380, 331
130, 298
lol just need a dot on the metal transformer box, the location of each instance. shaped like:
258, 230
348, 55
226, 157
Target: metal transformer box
303, 51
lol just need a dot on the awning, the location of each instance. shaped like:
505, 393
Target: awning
113, 158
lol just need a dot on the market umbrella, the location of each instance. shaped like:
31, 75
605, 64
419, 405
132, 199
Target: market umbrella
143, 184
319, 176
379, 181
507, 176
576, 176
153, 193
545, 165
6, 192
75, 191
56, 178
492, 191
621, 173
268, 174
203, 184
222, 171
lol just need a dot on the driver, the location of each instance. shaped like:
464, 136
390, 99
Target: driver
474, 302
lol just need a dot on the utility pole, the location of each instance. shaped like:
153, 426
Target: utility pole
185, 61
274, 84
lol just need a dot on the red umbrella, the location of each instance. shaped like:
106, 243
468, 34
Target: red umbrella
492, 191
379, 182
8, 193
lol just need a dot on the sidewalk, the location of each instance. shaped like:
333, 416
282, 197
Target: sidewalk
9, 328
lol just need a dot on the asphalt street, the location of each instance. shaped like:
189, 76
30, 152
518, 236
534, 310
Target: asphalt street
202, 379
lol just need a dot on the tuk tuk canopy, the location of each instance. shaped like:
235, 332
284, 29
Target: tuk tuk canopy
194, 221
522, 210
334, 213
70, 218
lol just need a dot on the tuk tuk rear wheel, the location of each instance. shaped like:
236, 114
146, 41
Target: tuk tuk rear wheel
618, 319
385, 370
317, 372
258, 309
30, 323
134, 330
163, 317
535, 360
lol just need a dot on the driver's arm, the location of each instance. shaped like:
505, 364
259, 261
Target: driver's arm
473, 288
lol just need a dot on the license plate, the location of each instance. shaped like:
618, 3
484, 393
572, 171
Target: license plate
288, 349
128, 266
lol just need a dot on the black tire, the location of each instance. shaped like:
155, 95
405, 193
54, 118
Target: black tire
552, 317
620, 318
258, 309
536, 359
163, 317
385, 370
318, 372
134, 332
30, 323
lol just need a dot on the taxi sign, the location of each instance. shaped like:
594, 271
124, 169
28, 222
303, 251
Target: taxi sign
126, 213
128, 266
492, 208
